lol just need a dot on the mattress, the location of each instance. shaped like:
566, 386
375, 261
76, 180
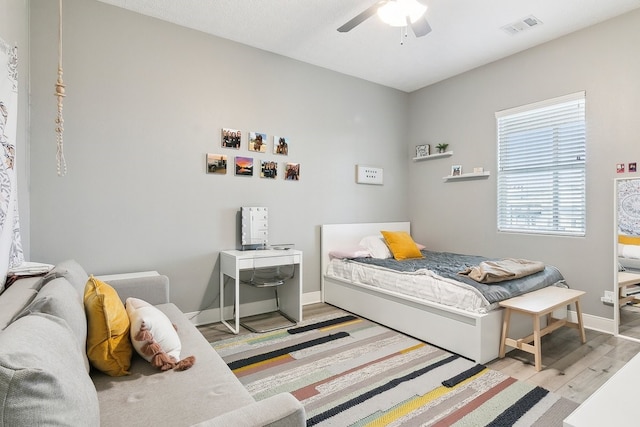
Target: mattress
435, 278
422, 284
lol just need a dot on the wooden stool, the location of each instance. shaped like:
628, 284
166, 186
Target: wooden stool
539, 303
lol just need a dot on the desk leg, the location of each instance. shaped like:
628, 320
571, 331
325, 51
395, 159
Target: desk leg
233, 329
583, 337
505, 330
536, 342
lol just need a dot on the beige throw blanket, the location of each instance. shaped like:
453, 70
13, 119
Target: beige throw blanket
506, 269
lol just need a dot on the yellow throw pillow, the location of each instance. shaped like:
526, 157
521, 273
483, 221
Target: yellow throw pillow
629, 240
108, 344
401, 245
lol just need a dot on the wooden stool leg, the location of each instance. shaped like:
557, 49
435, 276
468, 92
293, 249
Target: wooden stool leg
536, 342
583, 337
505, 330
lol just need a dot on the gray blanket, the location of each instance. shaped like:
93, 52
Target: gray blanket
448, 265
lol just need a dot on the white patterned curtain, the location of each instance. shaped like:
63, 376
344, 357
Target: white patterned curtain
10, 246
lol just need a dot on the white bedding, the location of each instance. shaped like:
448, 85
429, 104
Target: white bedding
423, 284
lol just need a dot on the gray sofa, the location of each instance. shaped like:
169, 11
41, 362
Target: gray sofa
46, 379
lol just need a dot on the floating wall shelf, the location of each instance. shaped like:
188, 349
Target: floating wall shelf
434, 156
466, 176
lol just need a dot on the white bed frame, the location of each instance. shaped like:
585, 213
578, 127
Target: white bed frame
475, 336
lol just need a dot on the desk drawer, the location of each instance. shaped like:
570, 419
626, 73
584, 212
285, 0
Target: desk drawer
260, 262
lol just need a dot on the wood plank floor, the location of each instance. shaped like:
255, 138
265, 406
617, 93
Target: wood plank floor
571, 369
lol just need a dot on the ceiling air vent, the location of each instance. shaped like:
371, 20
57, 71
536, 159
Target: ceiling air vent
521, 25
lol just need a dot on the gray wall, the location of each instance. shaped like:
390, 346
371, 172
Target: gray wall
14, 30
461, 216
146, 100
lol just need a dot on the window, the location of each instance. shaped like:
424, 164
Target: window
541, 167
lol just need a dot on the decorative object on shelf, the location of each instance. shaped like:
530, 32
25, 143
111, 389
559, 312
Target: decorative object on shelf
231, 138
217, 163
442, 147
258, 142
456, 170
244, 166
280, 145
292, 172
478, 170
61, 163
423, 150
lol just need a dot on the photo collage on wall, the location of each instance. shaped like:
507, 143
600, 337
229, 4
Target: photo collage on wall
244, 165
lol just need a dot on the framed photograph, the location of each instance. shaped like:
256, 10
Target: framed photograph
620, 168
268, 169
244, 166
423, 150
258, 142
456, 170
231, 138
217, 163
632, 167
280, 145
292, 172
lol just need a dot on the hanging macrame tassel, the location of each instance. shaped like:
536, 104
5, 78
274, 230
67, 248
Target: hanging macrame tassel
60, 89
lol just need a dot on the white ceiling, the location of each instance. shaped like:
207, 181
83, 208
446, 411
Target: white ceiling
466, 33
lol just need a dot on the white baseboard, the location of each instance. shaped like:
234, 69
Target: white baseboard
596, 323
212, 315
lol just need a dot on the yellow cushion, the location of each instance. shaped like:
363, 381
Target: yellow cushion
108, 344
401, 245
629, 240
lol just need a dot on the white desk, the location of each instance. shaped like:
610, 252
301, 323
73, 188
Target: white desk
232, 262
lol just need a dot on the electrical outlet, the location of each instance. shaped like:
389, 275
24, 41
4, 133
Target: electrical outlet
607, 298
369, 175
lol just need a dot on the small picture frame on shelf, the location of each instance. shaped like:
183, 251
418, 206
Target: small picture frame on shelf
423, 150
456, 170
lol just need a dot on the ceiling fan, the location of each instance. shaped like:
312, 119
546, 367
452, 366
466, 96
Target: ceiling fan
397, 13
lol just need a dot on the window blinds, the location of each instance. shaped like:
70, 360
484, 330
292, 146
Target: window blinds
541, 167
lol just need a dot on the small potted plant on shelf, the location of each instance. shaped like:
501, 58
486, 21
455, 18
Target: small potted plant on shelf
442, 147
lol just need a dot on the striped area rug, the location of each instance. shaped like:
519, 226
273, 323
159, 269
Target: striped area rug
348, 371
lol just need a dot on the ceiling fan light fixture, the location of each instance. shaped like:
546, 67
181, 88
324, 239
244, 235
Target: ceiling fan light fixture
398, 12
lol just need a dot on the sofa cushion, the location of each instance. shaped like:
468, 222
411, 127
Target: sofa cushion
60, 299
72, 271
41, 381
108, 344
16, 297
205, 391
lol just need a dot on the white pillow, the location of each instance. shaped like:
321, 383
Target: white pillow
348, 253
629, 251
376, 246
157, 323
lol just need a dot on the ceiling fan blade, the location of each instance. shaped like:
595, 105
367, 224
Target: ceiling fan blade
421, 27
359, 19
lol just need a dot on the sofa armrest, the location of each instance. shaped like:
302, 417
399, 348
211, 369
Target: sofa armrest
148, 286
281, 410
